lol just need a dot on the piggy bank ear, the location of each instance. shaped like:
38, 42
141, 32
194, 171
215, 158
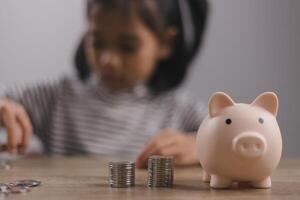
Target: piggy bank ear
219, 101
267, 101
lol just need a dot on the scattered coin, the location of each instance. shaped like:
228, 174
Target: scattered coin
4, 188
19, 186
28, 183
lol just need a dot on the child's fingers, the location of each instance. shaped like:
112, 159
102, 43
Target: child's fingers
175, 151
166, 150
155, 147
169, 150
141, 159
4, 147
13, 130
25, 123
149, 149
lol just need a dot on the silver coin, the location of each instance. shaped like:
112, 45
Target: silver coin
18, 187
27, 183
4, 188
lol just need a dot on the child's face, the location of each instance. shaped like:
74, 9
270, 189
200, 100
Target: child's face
122, 52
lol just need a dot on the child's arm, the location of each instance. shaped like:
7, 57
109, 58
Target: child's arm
24, 110
171, 143
180, 141
17, 123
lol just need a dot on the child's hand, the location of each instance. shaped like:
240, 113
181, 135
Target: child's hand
168, 143
17, 123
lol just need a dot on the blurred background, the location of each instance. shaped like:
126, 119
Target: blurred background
251, 46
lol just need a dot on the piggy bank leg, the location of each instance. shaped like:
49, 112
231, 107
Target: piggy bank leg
265, 183
205, 176
219, 182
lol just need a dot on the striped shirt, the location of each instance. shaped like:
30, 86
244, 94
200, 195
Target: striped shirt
74, 117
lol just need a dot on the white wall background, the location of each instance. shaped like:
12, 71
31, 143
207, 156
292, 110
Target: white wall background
251, 46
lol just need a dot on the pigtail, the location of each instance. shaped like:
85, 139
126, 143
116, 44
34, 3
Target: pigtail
80, 61
189, 18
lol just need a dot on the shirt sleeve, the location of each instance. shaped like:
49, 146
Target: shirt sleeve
193, 116
190, 112
37, 99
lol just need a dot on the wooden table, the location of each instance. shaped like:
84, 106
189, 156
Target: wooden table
86, 178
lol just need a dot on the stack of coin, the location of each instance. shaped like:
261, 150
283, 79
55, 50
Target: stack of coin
160, 171
121, 174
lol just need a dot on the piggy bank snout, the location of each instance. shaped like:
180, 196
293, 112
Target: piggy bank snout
249, 145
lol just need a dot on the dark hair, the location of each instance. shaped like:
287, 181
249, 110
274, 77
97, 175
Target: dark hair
189, 17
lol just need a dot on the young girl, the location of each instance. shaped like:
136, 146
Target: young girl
126, 99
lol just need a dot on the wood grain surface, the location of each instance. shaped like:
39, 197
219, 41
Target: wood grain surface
73, 178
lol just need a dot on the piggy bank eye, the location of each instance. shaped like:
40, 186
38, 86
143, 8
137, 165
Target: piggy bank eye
261, 120
228, 121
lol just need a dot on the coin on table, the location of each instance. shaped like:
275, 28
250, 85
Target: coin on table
4, 188
28, 183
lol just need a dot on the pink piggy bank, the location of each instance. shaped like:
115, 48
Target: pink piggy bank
240, 142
